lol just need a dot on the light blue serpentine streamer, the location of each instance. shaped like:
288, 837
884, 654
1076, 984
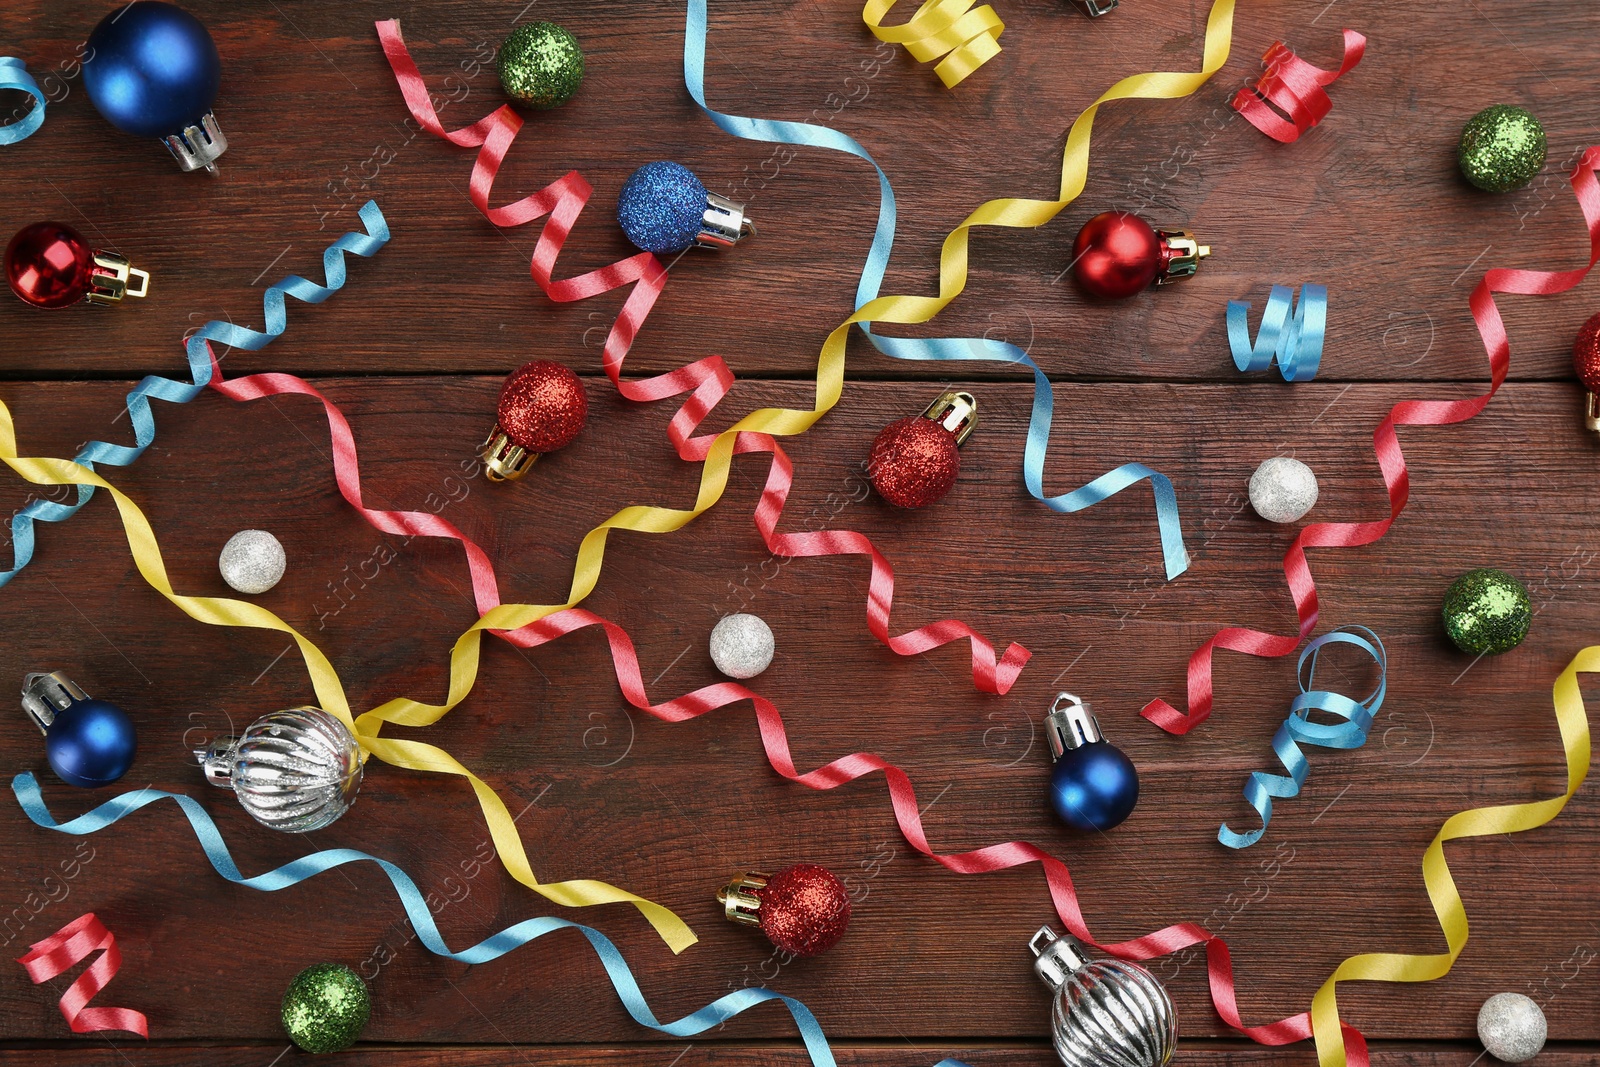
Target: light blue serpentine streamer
1174, 555
26, 788
199, 355
1298, 729
1296, 342
14, 75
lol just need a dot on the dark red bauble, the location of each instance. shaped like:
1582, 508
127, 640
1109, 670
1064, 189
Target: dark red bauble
1116, 255
542, 406
914, 462
1586, 355
48, 264
804, 909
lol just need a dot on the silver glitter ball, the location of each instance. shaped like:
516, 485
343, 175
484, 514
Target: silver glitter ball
1511, 1027
252, 561
742, 645
1283, 489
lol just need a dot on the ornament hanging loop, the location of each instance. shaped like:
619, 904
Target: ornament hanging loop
1095, 8
44, 696
956, 412
740, 898
108, 279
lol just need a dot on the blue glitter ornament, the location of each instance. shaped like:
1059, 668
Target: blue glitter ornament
88, 742
1094, 785
153, 70
665, 209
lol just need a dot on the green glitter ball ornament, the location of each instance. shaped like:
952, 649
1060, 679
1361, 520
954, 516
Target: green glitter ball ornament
541, 65
326, 1008
1487, 612
1502, 148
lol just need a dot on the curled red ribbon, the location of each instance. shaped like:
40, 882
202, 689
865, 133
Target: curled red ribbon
65, 948
1391, 461
1296, 88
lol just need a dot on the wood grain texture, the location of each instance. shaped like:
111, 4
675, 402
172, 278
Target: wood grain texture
414, 349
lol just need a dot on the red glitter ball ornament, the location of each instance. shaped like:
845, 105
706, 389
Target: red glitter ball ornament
1586, 355
804, 909
542, 406
48, 263
914, 462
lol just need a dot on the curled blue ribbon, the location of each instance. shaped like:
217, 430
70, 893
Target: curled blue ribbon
26, 788
199, 355
1175, 556
1296, 341
1298, 728
14, 75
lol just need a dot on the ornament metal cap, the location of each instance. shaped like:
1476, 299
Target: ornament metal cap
1591, 412
107, 282
1070, 725
740, 898
1095, 8
503, 459
1180, 255
956, 412
44, 696
1056, 958
724, 223
195, 147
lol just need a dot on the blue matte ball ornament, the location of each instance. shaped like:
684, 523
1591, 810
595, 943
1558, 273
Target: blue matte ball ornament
90, 744
1094, 785
151, 69
662, 207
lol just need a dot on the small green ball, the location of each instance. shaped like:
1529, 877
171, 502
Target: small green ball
541, 65
1487, 612
325, 1008
1502, 148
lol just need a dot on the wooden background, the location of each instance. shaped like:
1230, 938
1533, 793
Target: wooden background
935, 964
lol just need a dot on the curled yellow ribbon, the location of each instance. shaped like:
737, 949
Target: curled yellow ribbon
1447, 904
412, 755
967, 37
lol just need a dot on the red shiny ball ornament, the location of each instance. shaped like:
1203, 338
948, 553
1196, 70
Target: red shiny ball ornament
1586, 355
1116, 255
542, 406
914, 462
48, 264
804, 909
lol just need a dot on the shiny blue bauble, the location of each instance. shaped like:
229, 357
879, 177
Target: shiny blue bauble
151, 69
1094, 786
662, 207
90, 743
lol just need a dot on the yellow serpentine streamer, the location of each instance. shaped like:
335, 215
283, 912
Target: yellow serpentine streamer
1447, 904
970, 37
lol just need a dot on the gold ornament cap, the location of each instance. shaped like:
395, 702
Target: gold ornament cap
503, 459
1181, 255
108, 279
741, 899
956, 412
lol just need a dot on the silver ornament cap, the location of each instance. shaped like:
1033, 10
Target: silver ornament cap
1283, 489
252, 562
295, 770
1512, 1027
742, 645
1106, 1013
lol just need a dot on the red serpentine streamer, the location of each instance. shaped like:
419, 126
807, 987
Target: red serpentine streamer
69, 946
1296, 87
1391, 461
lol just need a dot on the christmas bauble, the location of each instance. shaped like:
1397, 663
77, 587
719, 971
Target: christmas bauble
1104, 1012
543, 406
1487, 611
914, 462
1094, 786
1502, 148
803, 909
252, 561
50, 265
326, 1007
1512, 1027
1116, 255
742, 645
88, 742
151, 69
295, 770
1586, 355
661, 207
1283, 489
540, 64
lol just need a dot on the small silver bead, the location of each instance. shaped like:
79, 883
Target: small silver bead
252, 561
1511, 1027
1283, 489
742, 645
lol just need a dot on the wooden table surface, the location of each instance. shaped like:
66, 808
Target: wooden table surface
414, 347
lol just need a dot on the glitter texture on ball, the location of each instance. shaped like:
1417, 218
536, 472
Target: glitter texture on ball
1283, 489
1502, 148
543, 406
742, 645
1512, 1027
325, 1008
662, 207
1586, 355
252, 562
914, 462
540, 64
1487, 611
804, 909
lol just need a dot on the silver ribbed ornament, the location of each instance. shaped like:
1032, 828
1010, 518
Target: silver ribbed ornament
295, 770
1106, 1013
